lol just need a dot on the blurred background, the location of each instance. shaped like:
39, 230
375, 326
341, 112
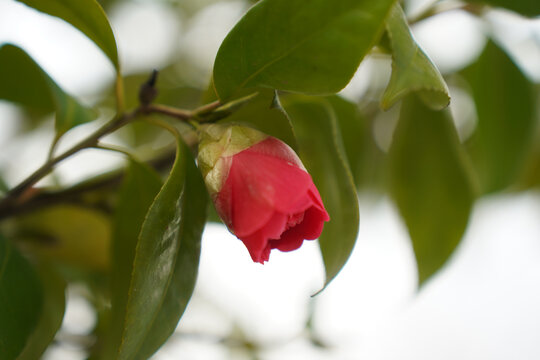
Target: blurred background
482, 305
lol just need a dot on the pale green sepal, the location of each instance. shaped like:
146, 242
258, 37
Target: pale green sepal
218, 143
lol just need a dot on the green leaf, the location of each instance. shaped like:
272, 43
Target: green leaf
87, 16
322, 152
430, 183
194, 208
524, 7
506, 109
3, 186
68, 234
21, 301
265, 114
353, 128
129, 217
161, 281
412, 70
24, 82
54, 305
311, 47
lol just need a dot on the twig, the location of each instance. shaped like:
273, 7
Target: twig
74, 194
15, 193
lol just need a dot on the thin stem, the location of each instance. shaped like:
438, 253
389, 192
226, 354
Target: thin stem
115, 148
14, 200
46, 168
169, 111
205, 109
119, 94
75, 194
164, 125
52, 149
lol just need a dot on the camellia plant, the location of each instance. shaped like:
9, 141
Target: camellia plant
269, 148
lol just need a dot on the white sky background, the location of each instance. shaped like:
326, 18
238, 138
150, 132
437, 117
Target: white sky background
484, 305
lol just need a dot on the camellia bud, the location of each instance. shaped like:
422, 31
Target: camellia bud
260, 189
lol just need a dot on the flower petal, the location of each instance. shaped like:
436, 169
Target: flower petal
309, 229
258, 247
277, 149
258, 186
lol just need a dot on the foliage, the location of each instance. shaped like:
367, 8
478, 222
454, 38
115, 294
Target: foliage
133, 236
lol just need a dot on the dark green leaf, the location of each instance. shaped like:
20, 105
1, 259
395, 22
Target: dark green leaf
430, 182
505, 104
531, 174
412, 70
87, 16
21, 301
3, 186
155, 266
194, 206
54, 305
311, 47
524, 7
129, 217
264, 113
24, 82
321, 149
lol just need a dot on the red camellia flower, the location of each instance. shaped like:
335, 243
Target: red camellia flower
260, 189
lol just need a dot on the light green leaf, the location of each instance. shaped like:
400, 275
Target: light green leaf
87, 16
311, 47
51, 317
430, 183
412, 70
21, 301
24, 82
322, 152
506, 108
156, 267
69, 234
524, 7
129, 217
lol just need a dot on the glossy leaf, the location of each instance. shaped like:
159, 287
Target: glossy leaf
311, 47
21, 301
524, 7
322, 152
54, 304
194, 209
265, 114
87, 16
506, 109
430, 182
412, 70
24, 82
129, 216
155, 264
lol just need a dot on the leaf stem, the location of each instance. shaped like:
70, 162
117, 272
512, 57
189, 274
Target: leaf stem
119, 94
169, 111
